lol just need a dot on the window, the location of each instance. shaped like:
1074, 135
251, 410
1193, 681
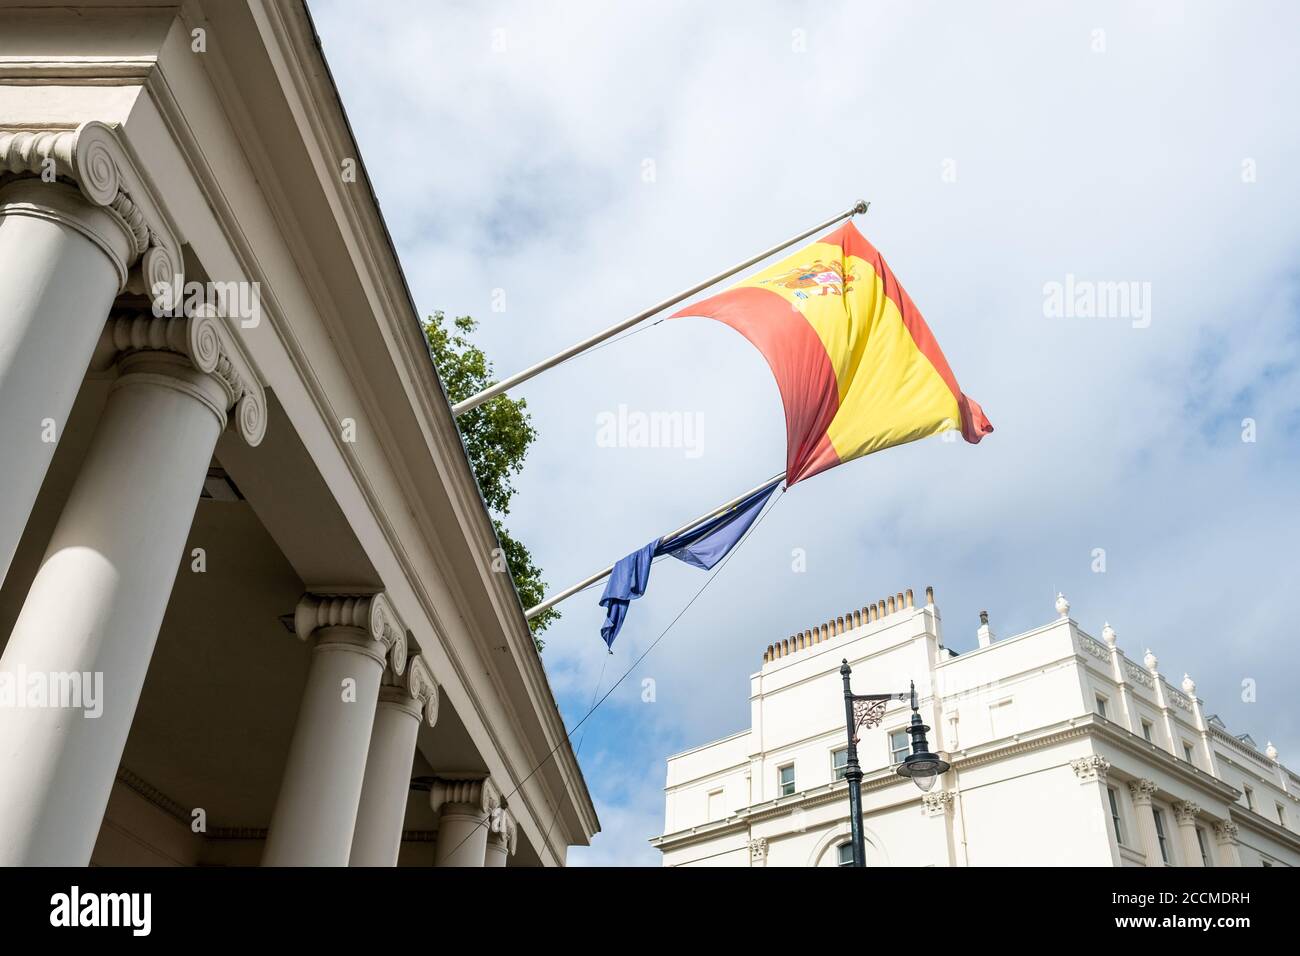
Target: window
1281, 814
1205, 852
1146, 731
844, 854
839, 763
1114, 815
1249, 794
1000, 719
716, 811
899, 746
1101, 706
1187, 752
1160, 834
786, 776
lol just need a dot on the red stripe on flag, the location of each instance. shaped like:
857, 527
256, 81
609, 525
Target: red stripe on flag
810, 393
974, 424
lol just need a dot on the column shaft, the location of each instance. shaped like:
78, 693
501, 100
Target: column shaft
316, 811
1146, 821
462, 836
497, 852
377, 840
97, 603
64, 261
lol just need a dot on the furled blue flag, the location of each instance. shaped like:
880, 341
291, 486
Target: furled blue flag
702, 546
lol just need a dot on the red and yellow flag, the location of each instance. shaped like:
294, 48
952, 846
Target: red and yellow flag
858, 368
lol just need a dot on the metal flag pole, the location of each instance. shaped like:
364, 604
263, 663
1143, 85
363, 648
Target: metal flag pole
556, 598
474, 401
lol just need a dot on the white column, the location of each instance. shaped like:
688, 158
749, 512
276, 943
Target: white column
316, 810
1185, 813
97, 602
465, 808
403, 702
1142, 792
1091, 771
502, 834
1225, 837
64, 261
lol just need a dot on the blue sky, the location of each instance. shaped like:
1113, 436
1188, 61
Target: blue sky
581, 161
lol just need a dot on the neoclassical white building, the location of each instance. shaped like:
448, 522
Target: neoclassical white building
250, 609
1064, 751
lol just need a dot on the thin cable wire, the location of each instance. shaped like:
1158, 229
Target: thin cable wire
604, 662
637, 663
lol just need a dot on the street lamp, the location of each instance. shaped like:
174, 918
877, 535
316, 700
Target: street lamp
922, 766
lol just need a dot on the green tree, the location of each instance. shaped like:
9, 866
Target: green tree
496, 435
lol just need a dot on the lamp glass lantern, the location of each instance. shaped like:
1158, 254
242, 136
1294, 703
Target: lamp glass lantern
922, 766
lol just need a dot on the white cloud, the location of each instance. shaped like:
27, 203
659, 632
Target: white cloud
523, 170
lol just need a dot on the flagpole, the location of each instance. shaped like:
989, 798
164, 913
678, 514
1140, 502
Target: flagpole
568, 592
505, 385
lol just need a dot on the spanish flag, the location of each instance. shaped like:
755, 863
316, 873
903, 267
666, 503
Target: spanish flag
858, 368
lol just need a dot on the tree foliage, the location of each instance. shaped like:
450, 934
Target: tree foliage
497, 435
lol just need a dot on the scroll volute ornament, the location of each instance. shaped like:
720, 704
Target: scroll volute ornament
94, 157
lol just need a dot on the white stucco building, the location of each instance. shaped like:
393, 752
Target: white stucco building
1064, 751
251, 610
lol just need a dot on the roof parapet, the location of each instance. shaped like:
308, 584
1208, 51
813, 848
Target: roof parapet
819, 633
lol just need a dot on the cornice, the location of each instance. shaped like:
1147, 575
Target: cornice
1250, 820
76, 71
778, 807
960, 761
294, 40
1218, 733
94, 158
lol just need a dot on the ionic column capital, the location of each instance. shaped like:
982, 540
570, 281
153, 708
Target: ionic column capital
208, 345
474, 792
414, 691
371, 613
502, 829
1142, 791
94, 158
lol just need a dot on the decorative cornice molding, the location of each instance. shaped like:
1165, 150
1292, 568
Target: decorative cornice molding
472, 790
93, 157
416, 689
1138, 675
153, 795
210, 348
1090, 769
372, 613
1094, 647
1178, 698
1090, 727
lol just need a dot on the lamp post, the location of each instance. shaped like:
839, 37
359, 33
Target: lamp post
868, 710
